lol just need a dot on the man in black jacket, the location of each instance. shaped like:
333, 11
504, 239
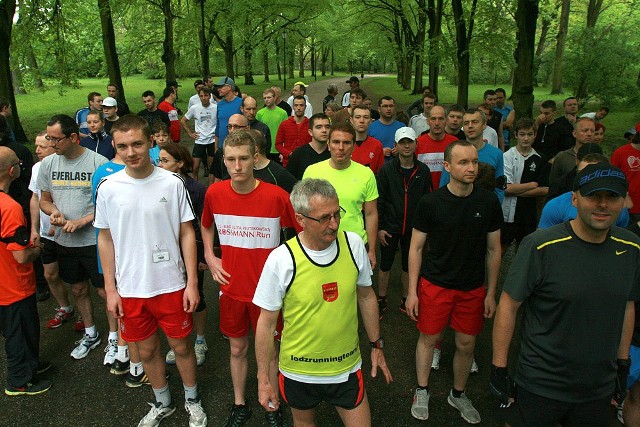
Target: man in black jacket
401, 183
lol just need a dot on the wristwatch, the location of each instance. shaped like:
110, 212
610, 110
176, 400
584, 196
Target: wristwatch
379, 343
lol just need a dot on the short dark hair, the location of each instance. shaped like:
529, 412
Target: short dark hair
360, 107
67, 124
600, 126
169, 90
549, 103
317, 116
299, 97
385, 98
568, 99
606, 109
476, 110
204, 89
197, 83
302, 87
430, 95
92, 95
343, 127
160, 126
96, 113
524, 123
148, 93
261, 141
240, 138
114, 85
501, 90
181, 154
488, 92
4, 102
403, 117
131, 122
358, 91
457, 108
454, 144
595, 158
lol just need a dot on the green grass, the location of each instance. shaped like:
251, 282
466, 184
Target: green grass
36, 107
616, 123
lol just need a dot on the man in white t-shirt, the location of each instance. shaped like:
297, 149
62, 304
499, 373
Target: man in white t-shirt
154, 205
325, 272
204, 115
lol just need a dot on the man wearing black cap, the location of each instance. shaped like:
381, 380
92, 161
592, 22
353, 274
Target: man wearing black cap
577, 282
228, 105
354, 82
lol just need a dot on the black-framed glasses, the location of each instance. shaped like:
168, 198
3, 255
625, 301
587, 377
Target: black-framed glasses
324, 219
236, 127
55, 140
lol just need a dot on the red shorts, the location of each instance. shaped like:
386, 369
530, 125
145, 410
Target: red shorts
143, 315
237, 317
438, 307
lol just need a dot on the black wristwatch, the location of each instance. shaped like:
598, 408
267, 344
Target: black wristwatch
379, 343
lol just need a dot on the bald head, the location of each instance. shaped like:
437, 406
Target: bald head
249, 108
8, 159
237, 121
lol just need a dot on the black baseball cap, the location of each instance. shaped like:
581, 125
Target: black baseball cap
353, 79
601, 177
173, 83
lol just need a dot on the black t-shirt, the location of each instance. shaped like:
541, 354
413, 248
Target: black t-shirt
635, 341
152, 117
457, 230
460, 135
264, 129
327, 99
275, 174
548, 140
218, 169
495, 120
574, 296
305, 156
285, 106
565, 128
535, 170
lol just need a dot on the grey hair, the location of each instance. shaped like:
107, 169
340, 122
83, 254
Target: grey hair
304, 190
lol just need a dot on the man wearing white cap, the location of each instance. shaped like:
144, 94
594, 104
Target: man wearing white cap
110, 112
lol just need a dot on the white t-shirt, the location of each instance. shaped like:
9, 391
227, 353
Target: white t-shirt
419, 124
308, 111
195, 100
45, 220
205, 122
278, 272
144, 217
490, 136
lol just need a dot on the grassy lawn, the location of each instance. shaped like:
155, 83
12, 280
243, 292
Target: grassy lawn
36, 107
616, 123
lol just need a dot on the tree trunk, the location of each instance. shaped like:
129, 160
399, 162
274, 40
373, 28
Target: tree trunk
168, 52
434, 13
292, 60
406, 75
332, 61
301, 57
248, 66
16, 77
33, 66
544, 31
593, 12
265, 59
556, 80
62, 66
324, 57
421, 33
204, 47
277, 43
522, 94
7, 10
109, 45
228, 53
463, 40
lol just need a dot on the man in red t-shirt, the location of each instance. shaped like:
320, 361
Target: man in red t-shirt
293, 132
19, 322
167, 106
627, 158
431, 145
368, 150
248, 215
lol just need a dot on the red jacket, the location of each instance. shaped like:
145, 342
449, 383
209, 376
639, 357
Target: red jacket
291, 136
369, 153
174, 127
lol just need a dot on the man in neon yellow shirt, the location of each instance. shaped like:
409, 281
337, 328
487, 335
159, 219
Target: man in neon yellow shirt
320, 276
355, 185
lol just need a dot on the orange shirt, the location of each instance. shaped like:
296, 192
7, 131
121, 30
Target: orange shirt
18, 280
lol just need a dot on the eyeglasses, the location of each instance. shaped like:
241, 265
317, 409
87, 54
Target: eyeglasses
235, 127
19, 162
324, 219
55, 140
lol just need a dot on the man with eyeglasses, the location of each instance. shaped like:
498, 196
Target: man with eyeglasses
325, 272
228, 105
205, 115
248, 215
355, 185
65, 182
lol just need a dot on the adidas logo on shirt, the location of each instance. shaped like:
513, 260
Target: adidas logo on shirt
163, 200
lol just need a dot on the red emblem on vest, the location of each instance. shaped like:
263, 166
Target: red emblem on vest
330, 291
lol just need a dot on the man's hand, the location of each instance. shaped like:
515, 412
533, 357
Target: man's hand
190, 298
489, 306
114, 304
412, 306
501, 386
378, 361
386, 151
72, 225
372, 258
620, 392
268, 397
217, 272
57, 218
382, 237
202, 266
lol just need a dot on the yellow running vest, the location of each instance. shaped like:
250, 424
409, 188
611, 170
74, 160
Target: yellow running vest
320, 335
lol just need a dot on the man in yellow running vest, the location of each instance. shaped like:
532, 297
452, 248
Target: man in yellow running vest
318, 279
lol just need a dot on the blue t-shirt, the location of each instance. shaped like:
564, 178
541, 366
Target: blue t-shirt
560, 209
154, 153
104, 170
385, 133
505, 132
226, 109
487, 154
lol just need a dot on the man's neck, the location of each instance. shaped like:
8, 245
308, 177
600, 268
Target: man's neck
153, 109
319, 147
140, 174
361, 136
459, 189
299, 119
272, 107
74, 152
244, 187
341, 166
437, 137
262, 162
478, 143
385, 120
450, 131
4, 186
636, 146
525, 151
577, 146
588, 234
230, 97
112, 120
406, 162
314, 246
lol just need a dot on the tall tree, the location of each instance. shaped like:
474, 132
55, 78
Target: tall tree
522, 93
434, 13
7, 11
463, 41
593, 12
109, 45
556, 81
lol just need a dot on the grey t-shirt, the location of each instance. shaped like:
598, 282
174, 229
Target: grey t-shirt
69, 182
574, 296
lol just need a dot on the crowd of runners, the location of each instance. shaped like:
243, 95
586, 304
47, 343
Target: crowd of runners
298, 211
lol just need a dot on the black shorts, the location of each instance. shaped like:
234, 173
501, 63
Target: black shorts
512, 231
527, 411
303, 396
79, 264
203, 150
388, 253
49, 251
